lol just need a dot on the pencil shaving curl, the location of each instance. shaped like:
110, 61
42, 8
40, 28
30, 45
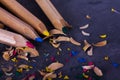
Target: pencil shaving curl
63, 38
88, 67
7, 54
85, 33
23, 66
49, 75
100, 44
33, 52
86, 45
85, 26
90, 51
23, 57
54, 66
55, 31
97, 71
8, 70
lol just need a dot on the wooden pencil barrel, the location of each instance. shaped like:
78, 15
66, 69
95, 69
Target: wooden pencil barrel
12, 39
16, 24
53, 15
25, 15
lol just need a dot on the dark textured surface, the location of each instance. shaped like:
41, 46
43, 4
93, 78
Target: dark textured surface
102, 21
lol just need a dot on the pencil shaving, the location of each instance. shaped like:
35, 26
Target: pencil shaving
88, 67
8, 70
54, 66
100, 44
97, 71
49, 75
23, 57
85, 26
23, 66
62, 38
55, 31
85, 33
86, 45
74, 42
90, 51
6, 56
33, 52
10, 48
55, 45
42, 73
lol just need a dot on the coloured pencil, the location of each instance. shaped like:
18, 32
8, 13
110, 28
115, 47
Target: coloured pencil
13, 39
25, 15
53, 15
18, 25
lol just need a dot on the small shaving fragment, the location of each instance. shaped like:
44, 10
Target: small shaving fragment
97, 71
100, 44
42, 73
88, 67
85, 33
23, 57
6, 56
49, 75
115, 11
55, 31
74, 42
90, 51
86, 45
24, 66
54, 43
103, 36
8, 70
88, 17
62, 38
85, 26
54, 66
33, 52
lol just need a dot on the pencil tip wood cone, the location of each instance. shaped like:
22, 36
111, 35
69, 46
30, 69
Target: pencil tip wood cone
13, 39
54, 16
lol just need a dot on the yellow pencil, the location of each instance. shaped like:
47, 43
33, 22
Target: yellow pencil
53, 15
18, 25
25, 15
13, 39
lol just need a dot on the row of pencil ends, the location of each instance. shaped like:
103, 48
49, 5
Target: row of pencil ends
26, 24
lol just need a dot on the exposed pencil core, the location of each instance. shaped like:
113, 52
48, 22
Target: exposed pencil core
39, 39
29, 44
65, 29
46, 33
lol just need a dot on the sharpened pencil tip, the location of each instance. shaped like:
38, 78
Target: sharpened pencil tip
46, 33
39, 39
65, 30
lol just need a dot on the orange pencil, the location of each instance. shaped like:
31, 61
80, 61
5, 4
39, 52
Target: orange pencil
13, 39
18, 25
53, 15
25, 15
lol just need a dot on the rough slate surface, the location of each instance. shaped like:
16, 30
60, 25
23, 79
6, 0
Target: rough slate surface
102, 21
